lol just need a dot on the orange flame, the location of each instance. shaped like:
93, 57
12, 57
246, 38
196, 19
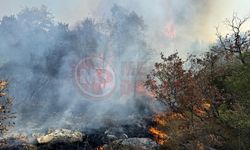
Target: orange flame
160, 120
159, 136
206, 106
202, 111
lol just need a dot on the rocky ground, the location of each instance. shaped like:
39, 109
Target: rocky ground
133, 133
65, 139
119, 137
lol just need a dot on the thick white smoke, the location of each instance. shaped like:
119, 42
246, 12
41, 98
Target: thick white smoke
40, 60
39, 57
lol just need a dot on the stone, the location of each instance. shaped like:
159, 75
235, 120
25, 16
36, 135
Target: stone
133, 144
62, 135
145, 143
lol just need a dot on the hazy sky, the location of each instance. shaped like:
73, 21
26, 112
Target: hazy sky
205, 15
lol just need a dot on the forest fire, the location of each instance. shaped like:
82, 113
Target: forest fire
159, 120
115, 76
159, 136
162, 120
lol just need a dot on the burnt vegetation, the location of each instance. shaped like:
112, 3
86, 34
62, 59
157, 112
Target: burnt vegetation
204, 100
207, 103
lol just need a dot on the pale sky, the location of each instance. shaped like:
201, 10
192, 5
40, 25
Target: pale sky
154, 12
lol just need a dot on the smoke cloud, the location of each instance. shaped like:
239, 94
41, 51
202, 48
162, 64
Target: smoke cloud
48, 63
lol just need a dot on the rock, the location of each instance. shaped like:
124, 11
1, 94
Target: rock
112, 137
125, 136
115, 133
140, 142
133, 144
64, 135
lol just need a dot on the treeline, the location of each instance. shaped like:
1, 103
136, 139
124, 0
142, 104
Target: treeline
39, 55
206, 97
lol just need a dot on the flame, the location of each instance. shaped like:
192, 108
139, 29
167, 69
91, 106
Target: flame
100, 148
206, 106
163, 119
159, 136
202, 111
174, 116
160, 120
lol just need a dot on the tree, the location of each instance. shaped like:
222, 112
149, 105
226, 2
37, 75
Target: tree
206, 104
237, 42
233, 83
234, 115
175, 87
190, 105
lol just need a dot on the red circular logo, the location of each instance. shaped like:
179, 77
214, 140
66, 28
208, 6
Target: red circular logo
95, 77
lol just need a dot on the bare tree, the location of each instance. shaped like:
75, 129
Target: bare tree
238, 41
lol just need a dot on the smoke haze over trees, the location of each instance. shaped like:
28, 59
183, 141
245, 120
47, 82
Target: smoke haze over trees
200, 102
39, 56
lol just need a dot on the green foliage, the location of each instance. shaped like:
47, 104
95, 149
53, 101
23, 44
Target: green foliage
238, 82
234, 118
215, 115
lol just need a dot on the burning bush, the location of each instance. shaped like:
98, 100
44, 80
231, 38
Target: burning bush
190, 101
5, 108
